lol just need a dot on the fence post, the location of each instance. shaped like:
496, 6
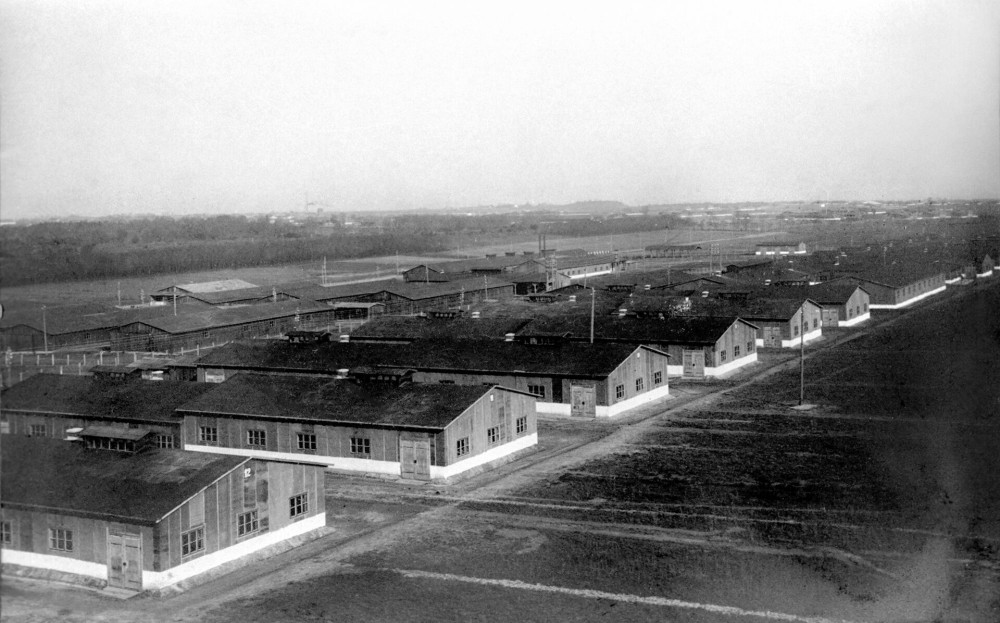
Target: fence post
100, 358
79, 369
117, 358
67, 359
53, 359
84, 358
60, 369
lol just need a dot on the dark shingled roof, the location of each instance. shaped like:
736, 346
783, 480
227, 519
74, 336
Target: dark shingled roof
674, 330
63, 477
411, 327
86, 396
243, 294
338, 400
753, 309
580, 360
228, 316
825, 293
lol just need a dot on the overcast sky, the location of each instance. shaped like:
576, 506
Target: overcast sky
177, 107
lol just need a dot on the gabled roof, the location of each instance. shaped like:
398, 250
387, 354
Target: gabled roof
753, 309
213, 317
87, 396
341, 401
243, 294
315, 292
895, 275
62, 477
416, 290
210, 286
562, 263
824, 293
88, 317
582, 360
673, 330
412, 327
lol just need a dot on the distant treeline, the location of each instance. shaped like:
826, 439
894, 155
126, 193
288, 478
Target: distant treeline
76, 251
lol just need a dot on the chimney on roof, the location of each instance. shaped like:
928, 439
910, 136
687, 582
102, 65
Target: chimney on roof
572, 298
342, 373
475, 315
508, 337
345, 338
647, 287
621, 312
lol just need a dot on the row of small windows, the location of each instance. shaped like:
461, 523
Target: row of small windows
258, 439
193, 541
494, 436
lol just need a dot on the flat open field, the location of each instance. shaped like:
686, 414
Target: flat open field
881, 503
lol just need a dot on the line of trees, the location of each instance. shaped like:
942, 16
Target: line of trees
73, 251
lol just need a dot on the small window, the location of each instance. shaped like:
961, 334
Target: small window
521, 425
736, 351
305, 441
37, 430
722, 356
795, 330
538, 390
865, 306
61, 539
462, 447
361, 445
493, 435
246, 523
619, 391
446, 382
164, 441
193, 541
257, 438
298, 505
815, 322
208, 434
638, 385
657, 377
6, 532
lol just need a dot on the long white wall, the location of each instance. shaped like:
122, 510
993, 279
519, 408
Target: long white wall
56, 563
592, 274
910, 301
160, 579
492, 454
334, 462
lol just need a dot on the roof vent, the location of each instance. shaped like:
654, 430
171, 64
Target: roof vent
572, 298
475, 315
344, 338
647, 287
342, 373
508, 337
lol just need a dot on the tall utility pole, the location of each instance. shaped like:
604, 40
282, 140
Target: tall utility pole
593, 297
45, 332
119, 294
175, 300
802, 355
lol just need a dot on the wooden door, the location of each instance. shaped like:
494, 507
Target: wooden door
415, 459
772, 337
125, 561
582, 401
694, 363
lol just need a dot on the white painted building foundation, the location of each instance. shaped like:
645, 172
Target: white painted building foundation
447, 471
854, 321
